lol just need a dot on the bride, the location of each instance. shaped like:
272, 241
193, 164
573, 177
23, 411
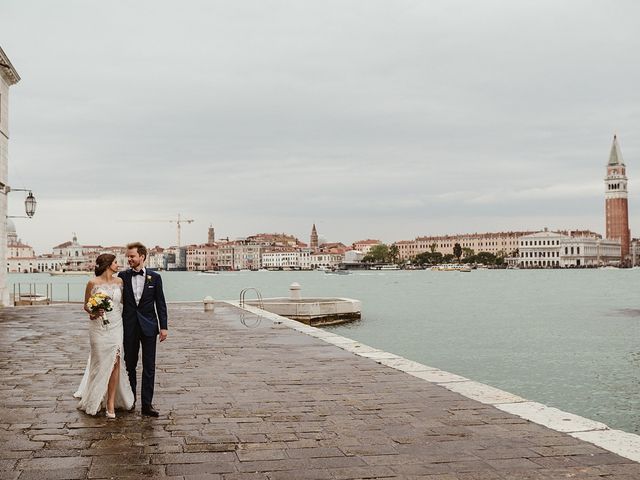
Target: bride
105, 383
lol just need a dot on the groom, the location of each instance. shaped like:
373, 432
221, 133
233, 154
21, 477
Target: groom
143, 308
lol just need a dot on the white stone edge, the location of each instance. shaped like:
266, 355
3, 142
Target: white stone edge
616, 441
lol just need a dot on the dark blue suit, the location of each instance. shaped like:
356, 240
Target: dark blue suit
140, 322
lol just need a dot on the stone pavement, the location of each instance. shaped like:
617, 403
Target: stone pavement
269, 402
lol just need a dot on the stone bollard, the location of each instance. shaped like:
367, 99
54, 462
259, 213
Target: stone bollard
294, 291
208, 304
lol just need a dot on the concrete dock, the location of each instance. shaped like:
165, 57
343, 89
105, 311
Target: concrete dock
265, 402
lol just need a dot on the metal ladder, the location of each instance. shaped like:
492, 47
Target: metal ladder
242, 302
258, 294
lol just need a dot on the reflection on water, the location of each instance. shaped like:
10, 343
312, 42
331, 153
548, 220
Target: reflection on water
569, 339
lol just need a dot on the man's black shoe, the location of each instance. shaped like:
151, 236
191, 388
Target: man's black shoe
149, 411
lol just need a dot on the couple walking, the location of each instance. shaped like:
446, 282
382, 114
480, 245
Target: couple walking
138, 317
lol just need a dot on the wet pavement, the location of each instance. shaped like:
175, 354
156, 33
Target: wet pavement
266, 402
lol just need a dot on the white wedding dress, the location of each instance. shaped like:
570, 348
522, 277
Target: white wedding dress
106, 346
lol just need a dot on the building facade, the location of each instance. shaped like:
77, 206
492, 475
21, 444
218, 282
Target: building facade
281, 259
498, 243
365, 246
21, 257
616, 202
558, 250
8, 77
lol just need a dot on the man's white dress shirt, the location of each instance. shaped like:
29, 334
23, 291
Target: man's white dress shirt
137, 282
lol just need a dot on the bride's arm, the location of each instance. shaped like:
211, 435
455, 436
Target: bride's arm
87, 295
121, 285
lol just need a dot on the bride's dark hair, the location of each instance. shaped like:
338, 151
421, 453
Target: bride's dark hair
102, 263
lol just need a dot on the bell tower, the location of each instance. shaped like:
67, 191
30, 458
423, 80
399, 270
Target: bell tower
616, 206
314, 239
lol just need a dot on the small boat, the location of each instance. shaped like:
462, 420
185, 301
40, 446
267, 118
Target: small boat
70, 273
387, 267
337, 271
209, 272
451, 267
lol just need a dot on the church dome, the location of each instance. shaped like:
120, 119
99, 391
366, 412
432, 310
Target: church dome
11, 227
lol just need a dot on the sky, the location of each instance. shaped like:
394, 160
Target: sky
371, 119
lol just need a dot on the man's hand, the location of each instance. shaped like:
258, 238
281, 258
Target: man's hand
163, 335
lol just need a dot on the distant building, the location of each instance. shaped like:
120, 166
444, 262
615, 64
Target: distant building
279, 259
202, 257
498, 243
616, 203
365, 246
557, 250
273, 240
156, 260
77, 257
21, 257
326, 260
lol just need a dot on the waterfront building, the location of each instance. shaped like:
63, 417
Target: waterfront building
353, 256
202, 257
561, 250
77, 257
616, 203
8, 77
279, 259
49, 263
224, 255
326, 260
305, 258
156, 260
365, 246
497, 243
314, 239
246, 255
20, 256
175, 258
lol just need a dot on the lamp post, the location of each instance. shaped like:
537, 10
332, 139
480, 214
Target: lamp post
30, 203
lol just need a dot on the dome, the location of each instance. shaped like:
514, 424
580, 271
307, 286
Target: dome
11, 227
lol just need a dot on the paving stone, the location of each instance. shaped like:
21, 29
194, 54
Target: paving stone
200, 468
55, 474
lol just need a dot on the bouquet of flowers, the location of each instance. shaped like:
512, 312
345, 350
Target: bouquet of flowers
100, 301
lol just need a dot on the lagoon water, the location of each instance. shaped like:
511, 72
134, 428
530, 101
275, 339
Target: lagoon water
566, 338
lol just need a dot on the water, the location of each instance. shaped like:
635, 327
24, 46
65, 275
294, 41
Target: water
565, 338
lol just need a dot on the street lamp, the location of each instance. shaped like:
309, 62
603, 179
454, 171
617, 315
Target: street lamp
29, 202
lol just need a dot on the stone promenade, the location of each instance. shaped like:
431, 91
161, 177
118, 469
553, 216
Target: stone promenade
260, 403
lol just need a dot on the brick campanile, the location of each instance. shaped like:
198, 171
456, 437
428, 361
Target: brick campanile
314, 239
617, 210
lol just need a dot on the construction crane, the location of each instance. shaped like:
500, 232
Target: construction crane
179, 221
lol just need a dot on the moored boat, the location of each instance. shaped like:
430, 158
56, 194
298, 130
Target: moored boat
70, 273
451, 267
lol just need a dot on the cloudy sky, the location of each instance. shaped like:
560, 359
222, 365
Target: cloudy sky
373, 119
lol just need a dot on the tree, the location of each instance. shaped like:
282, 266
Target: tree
457, 251
394, 253
468, 252
377, 254
433, 247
